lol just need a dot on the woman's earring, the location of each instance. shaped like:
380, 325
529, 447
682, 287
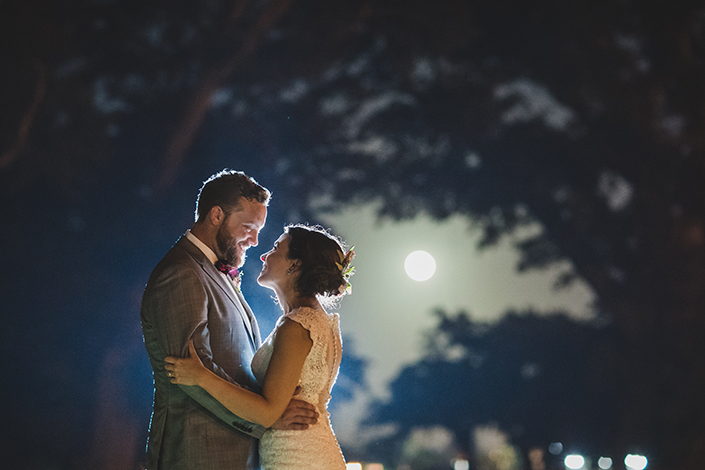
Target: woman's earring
288, 272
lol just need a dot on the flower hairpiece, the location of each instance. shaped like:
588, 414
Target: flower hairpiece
346, 269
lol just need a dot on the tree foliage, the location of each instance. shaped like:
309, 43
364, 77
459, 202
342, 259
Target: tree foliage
540, 378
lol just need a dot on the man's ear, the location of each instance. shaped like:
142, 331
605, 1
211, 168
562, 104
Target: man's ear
216, 216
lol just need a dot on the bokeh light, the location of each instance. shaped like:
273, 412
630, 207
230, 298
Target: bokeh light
555, 448
635, 462
461, 464
574, 461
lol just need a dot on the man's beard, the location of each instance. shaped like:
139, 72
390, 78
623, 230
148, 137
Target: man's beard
228, 250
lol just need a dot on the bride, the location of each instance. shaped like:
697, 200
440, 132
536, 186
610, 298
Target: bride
305, 268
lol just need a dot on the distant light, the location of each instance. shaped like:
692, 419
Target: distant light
555, 448
574, 461
353, 466
635, 462
461, 464
374, 466
420, 266
604, 463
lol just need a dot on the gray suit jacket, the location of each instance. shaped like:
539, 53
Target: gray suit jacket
187, 298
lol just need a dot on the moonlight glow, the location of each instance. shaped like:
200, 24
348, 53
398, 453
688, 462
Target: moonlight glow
420, 266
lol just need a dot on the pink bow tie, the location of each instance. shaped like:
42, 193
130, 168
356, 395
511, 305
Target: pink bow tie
226, 269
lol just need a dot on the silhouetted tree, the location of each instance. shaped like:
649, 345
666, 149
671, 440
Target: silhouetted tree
542, 379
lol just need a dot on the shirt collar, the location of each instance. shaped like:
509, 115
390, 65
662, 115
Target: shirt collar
212, 257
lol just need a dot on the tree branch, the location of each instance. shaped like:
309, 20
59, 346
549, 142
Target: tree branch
26, 122
199, 104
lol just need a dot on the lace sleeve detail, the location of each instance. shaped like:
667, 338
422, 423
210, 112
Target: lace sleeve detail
320, 364
310, 319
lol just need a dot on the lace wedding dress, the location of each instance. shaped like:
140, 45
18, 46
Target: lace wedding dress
315, 448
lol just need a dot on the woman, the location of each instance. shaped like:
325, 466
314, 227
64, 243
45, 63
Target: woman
307, 266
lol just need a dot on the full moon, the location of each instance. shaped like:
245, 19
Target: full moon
420, 266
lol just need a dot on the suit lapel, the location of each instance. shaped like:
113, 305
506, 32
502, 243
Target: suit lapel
229, 291
253, 320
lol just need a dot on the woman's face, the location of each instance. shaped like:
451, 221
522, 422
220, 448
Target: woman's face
275, 263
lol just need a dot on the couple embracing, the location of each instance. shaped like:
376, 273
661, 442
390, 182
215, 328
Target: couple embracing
223, 398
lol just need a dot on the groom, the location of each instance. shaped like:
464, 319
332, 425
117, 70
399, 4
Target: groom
188, 297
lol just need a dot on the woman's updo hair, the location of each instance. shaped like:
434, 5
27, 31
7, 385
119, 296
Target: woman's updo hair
320, 254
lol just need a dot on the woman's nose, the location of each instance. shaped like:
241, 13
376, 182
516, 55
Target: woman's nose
263, 257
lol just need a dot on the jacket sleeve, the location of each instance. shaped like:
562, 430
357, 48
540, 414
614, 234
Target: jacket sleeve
178, 304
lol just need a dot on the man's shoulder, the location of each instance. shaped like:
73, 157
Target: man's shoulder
183, 255
180, 250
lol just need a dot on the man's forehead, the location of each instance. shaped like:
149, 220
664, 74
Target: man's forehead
253, 211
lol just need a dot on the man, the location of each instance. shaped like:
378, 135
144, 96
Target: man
186, 298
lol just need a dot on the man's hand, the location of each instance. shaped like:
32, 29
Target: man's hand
298, 416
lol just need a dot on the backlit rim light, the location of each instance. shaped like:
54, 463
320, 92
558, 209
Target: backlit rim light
635, 462
574, 461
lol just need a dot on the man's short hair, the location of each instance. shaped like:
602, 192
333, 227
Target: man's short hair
225, 189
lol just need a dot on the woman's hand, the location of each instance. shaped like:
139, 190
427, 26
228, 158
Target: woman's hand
185, 370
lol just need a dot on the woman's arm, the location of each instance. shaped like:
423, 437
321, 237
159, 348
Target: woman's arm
292, 344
